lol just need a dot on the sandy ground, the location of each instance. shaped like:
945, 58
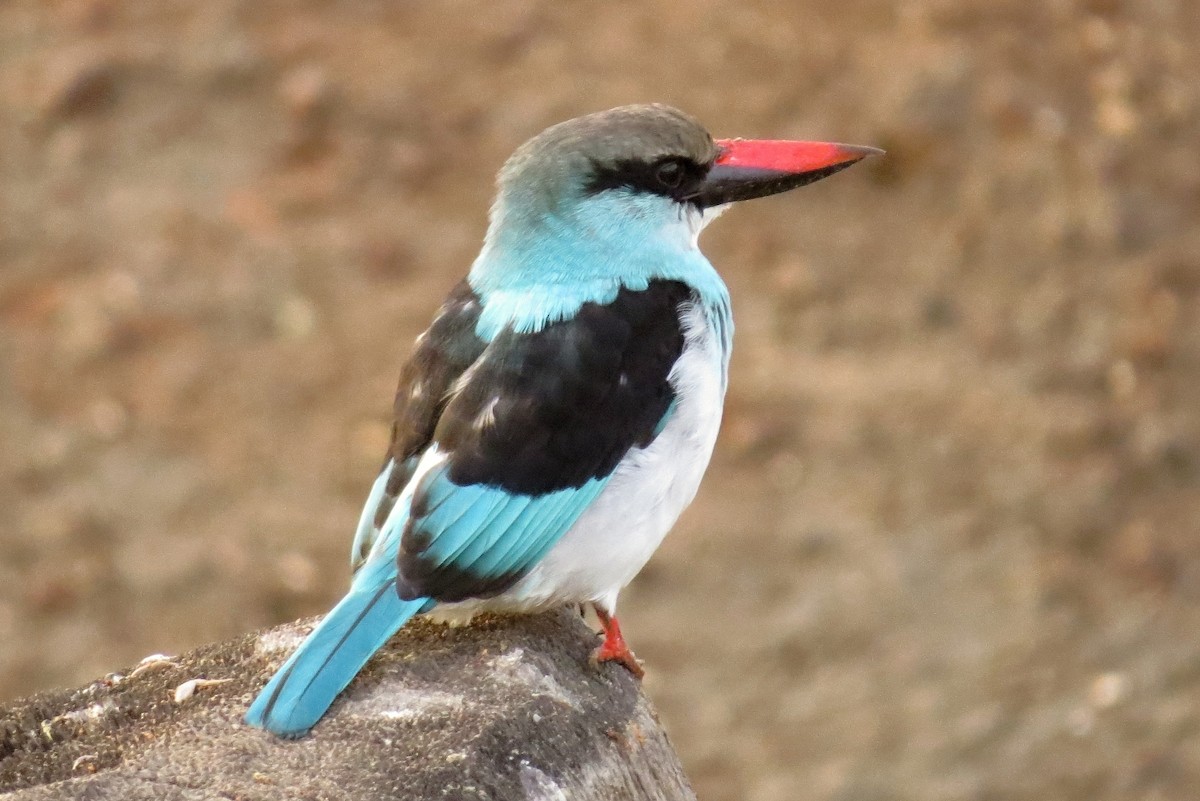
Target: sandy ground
948, 547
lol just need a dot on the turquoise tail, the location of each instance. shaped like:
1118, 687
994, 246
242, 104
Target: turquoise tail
301, 691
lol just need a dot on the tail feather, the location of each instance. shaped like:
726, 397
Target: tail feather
301, 691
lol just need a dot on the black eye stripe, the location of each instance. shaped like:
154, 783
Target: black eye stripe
676, 177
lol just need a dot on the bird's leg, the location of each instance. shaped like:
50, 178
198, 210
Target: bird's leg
614, 649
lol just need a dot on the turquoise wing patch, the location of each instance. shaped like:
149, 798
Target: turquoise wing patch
476, 541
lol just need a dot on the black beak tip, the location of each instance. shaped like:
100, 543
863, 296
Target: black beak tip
860, 152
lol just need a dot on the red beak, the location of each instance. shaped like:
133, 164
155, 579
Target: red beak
750, 168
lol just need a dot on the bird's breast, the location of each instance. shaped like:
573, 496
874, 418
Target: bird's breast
649, 489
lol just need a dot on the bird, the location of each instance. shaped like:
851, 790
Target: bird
559, 412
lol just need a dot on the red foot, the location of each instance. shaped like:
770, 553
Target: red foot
614, 649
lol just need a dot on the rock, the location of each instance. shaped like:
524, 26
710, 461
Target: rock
507, 708
79, 82
306, 91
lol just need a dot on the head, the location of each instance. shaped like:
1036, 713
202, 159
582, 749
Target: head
630, 152
622, 195
649, 164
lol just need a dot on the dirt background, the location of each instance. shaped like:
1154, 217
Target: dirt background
948, 546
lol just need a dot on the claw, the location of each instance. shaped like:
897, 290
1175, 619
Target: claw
614, 649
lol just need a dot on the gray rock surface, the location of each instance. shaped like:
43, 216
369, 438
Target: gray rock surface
507, 708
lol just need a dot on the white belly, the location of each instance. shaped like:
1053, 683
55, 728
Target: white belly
623, 527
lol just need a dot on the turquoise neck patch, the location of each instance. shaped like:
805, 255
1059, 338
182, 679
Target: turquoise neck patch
537, 269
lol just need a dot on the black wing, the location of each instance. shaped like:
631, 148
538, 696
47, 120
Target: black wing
441, 356
537, 414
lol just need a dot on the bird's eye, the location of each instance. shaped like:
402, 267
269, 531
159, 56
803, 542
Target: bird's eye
669, 174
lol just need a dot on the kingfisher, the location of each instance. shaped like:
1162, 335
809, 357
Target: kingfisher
558, 414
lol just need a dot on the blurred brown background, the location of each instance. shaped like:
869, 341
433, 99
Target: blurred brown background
948, 545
